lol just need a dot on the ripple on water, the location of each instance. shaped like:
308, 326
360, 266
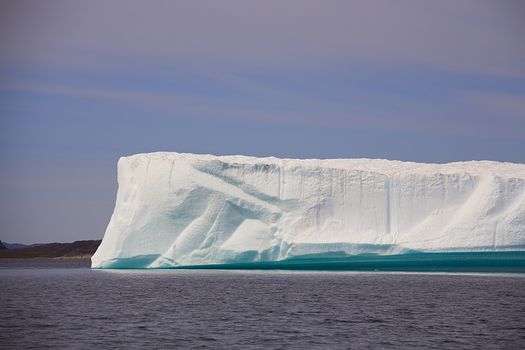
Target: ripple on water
80, 308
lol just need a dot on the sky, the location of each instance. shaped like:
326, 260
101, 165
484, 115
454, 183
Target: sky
83, 83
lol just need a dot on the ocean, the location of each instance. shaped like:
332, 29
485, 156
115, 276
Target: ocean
62, 304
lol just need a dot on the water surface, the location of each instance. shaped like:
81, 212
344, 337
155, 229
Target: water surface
63, 304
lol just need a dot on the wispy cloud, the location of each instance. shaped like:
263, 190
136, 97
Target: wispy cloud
266, 104
468, 36
509, 107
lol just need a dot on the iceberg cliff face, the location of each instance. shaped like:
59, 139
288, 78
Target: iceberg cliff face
183, 209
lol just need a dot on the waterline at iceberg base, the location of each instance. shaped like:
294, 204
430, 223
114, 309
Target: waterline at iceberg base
178, 210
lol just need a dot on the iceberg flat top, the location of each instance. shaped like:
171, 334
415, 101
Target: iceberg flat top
383, 166
176, 209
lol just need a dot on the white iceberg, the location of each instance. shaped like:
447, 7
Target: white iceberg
176, 209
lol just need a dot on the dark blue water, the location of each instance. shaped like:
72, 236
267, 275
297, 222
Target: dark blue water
55, 305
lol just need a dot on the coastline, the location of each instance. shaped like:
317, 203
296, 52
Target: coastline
78, 250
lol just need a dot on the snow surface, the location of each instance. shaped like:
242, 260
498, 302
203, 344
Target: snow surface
177, 209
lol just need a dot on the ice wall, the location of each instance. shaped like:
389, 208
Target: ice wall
184, 209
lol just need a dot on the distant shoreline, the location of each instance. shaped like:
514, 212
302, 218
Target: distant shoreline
78, 250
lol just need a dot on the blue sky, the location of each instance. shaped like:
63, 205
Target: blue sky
83, 83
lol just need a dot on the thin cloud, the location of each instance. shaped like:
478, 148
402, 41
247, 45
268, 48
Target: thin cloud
482, 37
275, 106
508, 106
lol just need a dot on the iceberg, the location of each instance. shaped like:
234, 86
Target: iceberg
177, 209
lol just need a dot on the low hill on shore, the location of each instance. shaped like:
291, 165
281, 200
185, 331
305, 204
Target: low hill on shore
75, 250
